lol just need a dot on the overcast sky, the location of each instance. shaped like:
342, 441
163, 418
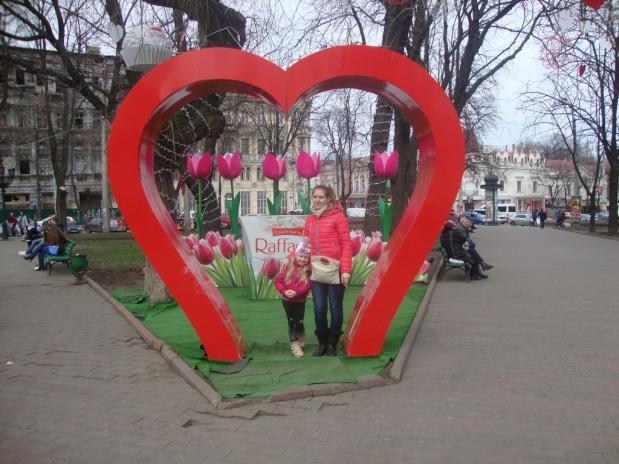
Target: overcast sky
527, 69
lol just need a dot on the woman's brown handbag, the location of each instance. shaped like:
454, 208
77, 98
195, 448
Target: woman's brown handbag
325, 270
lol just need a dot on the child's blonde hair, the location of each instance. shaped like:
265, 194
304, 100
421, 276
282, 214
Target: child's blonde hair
288, 268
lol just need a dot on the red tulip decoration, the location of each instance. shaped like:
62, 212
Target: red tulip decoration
270, 268
385, 166
375, 249
200, 168
229, 166
274, 168
308, 166
227, 247
204, 253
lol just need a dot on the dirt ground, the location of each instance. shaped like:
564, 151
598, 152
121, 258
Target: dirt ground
118, 279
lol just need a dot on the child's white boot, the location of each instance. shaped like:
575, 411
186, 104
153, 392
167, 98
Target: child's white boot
301, 340
296, 349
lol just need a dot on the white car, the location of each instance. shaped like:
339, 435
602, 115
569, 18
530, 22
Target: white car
355, 212
521, 219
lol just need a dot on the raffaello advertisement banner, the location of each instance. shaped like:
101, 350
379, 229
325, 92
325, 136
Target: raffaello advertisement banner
267, 237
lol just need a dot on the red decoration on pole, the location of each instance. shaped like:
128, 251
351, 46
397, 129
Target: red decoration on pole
595, 4
581, 69
169, 86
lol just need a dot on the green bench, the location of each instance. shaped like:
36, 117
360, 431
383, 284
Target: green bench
65, 257
449, 263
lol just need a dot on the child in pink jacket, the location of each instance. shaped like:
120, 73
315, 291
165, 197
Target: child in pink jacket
293, 282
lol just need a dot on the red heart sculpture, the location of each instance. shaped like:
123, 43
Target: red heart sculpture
169, 86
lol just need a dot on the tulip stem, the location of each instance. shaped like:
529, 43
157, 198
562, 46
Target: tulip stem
199, 217
309, 195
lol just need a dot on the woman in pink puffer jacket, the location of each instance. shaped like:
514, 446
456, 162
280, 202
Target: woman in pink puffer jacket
329, 234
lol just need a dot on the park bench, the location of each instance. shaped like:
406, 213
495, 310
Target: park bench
450, 263
65, 257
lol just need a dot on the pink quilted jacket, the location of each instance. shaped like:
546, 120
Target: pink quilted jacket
330, 236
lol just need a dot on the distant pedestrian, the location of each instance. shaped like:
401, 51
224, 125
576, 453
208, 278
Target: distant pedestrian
562, 219
534, 218
22, 224
12, 221
542, 217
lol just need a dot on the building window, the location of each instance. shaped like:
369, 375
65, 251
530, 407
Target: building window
79, 120
259, 174
519, 186
356, 185
261, 119
20, 77
363, 184
569, 189
535, 186
262, 202
24, 166
245, 146
245, 173
261, 147
227, 200
283, 206
502, 186
550, 191
245, 203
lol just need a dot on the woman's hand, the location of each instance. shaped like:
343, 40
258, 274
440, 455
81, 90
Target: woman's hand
345, 279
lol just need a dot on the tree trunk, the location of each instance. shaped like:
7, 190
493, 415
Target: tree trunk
613, 181
379, 142
403, 184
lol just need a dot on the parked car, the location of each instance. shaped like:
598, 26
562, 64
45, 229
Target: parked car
296, 211
355, 212
475, 218
225, 221
481, 211
584, 217
71, 224
601, 217
94, 224
521, 219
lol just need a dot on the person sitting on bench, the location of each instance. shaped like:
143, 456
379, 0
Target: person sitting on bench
454, 241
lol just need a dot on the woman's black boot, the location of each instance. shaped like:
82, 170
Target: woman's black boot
322, 346
332, 346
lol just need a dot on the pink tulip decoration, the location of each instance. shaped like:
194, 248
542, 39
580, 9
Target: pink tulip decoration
200, 167
274, 167
270, 268
308, 166
375, 249
189, 241
227, 246
204, 253
386, 164
357, 243
212, 238
424, 268
229, 166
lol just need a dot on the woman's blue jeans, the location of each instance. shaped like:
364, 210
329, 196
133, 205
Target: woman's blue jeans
328, 297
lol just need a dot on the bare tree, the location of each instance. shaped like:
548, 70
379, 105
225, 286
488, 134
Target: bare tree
339, 127
584, 87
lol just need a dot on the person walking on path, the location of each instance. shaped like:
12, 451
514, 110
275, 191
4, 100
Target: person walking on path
534, 218
293, 282
542, 218
329, 235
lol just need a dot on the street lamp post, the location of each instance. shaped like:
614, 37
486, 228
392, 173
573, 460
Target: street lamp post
5, 181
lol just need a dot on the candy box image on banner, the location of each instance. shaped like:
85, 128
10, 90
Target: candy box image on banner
270, 237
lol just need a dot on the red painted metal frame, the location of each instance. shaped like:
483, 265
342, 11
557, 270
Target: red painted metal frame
186, 77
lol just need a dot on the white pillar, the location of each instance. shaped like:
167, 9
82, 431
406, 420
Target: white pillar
105, 188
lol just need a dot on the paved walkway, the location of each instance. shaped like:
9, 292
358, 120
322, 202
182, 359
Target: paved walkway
521, 368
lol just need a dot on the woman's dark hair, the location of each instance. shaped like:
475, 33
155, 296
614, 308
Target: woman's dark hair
328, 191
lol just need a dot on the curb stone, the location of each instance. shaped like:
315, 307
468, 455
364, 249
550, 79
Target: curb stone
390, 375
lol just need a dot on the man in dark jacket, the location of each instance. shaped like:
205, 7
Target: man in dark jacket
454, 239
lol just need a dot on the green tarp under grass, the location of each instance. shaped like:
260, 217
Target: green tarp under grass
263, 325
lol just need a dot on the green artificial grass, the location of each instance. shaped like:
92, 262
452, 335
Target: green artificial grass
263, 325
